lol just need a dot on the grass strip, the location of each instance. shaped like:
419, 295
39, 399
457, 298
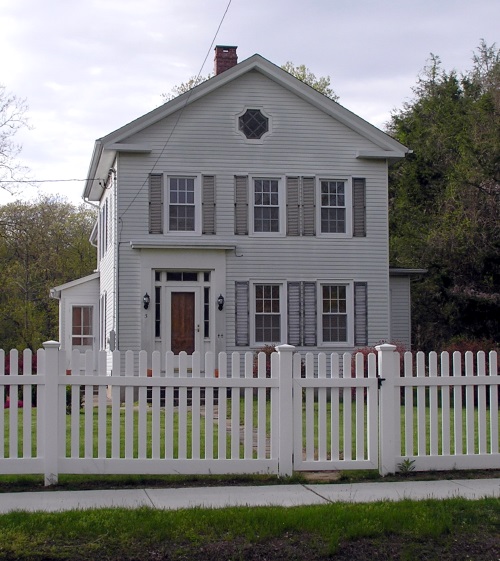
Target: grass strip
233, 533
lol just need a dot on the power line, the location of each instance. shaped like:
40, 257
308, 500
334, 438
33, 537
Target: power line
48, 180
180, 112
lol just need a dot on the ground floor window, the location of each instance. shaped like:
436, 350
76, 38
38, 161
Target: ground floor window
301, 313
82, 336
334, 317
267, 313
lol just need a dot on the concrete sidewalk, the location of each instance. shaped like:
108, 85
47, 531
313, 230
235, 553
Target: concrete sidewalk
275, 495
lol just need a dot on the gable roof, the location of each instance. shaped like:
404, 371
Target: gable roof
105, 148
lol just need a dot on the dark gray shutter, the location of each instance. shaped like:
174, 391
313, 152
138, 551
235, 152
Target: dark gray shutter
359, 207
292, 208
241, 205
294, 331
360, 314
242, 335
302, 307
308, 206
155, 203
310, 310
208, 204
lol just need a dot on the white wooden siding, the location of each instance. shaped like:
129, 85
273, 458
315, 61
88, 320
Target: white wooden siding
400, 311
304, 142
107, 262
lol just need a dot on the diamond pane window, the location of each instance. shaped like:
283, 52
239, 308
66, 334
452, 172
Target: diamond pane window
253, 124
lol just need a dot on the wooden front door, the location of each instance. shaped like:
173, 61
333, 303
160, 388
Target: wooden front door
183, 322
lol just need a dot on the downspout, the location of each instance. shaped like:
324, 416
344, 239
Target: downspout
117, 257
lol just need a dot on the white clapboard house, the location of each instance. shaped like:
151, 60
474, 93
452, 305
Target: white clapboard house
250, 210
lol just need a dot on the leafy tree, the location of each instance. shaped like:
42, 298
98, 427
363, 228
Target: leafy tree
42, 244
305, 75
185, 87
301, 72
445, 199
12, 119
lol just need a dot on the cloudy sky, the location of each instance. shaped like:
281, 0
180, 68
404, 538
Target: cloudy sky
88, 67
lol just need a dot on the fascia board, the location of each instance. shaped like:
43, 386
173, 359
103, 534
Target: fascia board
131, 148
92, 173
402, 272
102, 161
391, 155
168, 244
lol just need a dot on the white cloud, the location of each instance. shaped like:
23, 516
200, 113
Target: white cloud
87, 68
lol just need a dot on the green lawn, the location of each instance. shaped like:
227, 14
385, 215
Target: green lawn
448, 530
183, 425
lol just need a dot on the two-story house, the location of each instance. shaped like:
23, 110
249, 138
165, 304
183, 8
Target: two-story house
250, 210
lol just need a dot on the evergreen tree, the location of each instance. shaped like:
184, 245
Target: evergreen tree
445, 200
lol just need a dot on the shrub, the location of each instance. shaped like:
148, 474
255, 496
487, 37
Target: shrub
464, 344
268, 350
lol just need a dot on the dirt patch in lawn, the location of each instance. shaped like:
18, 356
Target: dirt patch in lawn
294, 547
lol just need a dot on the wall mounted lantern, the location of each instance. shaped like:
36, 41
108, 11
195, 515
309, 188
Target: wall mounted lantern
146, 300
220, 302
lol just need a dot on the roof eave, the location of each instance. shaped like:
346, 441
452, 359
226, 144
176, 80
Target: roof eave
105, 148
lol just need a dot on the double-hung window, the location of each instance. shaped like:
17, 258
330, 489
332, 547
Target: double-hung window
181, 204
82, 329
335, 207
267, 206
336, 313
183, 212
304, 313
268, 313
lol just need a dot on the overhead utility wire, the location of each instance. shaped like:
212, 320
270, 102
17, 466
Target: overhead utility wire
180, 112
48, 180
163, 149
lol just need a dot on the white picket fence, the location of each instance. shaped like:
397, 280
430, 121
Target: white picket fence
313, 413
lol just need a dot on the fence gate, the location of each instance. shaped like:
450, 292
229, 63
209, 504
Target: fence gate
335, 417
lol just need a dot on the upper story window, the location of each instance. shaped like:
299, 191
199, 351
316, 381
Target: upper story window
183, 213
266, 215
267, 208
333, 207
300, 206
253, 124
181, 204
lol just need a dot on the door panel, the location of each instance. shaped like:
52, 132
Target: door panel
183, 324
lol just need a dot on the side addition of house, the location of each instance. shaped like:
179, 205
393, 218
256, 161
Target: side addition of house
251, 210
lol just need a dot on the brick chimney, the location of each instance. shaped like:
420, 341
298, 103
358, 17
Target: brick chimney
225, 58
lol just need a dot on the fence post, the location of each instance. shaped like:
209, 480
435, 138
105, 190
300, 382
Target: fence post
285, 437
388, 407
51, 411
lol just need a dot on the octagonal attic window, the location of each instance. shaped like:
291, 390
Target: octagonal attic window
253, 124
